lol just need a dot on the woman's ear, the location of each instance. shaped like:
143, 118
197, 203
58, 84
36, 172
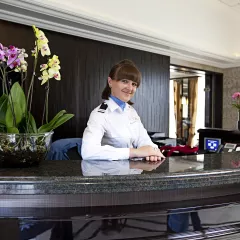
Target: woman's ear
110, 82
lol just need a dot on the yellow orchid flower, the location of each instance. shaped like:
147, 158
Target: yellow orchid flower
41, 43
43, 67
45, 77
39, 34
36, 30
53, 73
45, 50
56, 67
57, 76
53, 61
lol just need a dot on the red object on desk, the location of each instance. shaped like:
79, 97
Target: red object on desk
181, 149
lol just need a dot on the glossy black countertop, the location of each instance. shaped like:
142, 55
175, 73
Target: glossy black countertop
102, 176
106, 183
92, 190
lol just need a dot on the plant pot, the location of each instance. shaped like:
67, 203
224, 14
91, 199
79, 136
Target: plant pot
23, 150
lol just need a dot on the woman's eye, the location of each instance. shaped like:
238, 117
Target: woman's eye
134, 84
124, 81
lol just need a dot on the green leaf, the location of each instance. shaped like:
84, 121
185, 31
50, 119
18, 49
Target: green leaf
58, 120
32, 123
27, 126
236, 105
3, 108
62, 120
49, 126
17, 101
12, 130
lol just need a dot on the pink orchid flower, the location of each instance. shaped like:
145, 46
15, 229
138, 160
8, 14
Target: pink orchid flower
2, 55
16, 63
235, 164
11, 59
12, 55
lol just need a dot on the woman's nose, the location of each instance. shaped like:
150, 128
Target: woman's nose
130, 86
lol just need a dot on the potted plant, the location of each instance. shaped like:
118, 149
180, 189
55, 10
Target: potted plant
22, 142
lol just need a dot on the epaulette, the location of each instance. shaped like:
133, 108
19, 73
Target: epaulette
103, 108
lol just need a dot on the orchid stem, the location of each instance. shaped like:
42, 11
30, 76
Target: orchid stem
3, 79
8, 92
47, 93
30, 90
45, 107
43, 115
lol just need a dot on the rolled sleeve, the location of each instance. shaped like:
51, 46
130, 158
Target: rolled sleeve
143, 138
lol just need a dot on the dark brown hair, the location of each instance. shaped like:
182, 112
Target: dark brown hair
125, 69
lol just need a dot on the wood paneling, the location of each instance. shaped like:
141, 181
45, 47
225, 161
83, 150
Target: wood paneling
214, 100
85, 65
218, 100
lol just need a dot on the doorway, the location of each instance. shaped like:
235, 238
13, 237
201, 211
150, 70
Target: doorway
195, 102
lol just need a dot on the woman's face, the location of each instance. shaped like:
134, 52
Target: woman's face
123, 89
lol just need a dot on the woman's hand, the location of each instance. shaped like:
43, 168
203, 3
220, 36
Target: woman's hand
149, 152
146, 166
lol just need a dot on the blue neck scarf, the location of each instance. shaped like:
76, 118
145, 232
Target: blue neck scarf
119, 102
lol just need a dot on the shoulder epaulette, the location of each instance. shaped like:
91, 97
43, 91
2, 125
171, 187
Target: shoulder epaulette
103, 108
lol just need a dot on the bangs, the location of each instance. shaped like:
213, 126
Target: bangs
129, 72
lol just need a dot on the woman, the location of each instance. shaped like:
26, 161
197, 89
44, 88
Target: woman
121, 167
114, 130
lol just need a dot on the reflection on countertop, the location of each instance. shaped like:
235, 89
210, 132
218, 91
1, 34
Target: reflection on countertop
93, 176
196, 196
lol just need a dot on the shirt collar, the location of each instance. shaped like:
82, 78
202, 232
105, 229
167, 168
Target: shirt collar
112, 105
119, 102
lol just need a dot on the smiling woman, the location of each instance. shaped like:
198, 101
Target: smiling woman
124, 78
114, 128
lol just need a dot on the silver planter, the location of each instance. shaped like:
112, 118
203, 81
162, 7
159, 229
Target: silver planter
23, 149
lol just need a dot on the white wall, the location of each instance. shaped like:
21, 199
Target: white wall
204, 24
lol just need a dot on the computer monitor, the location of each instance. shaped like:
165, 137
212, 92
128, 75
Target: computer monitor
211, 144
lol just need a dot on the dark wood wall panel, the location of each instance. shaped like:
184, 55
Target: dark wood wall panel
214, 100
85, 66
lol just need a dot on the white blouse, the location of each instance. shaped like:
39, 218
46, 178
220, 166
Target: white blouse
98, 168
111, 132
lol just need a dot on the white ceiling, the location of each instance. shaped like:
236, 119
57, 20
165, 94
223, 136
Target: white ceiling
182, 72
203, 31
235, 4
176, 75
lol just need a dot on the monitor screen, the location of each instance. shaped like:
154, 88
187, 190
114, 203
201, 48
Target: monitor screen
211, 144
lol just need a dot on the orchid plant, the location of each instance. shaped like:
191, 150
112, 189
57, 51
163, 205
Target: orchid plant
16, 101
236, 99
